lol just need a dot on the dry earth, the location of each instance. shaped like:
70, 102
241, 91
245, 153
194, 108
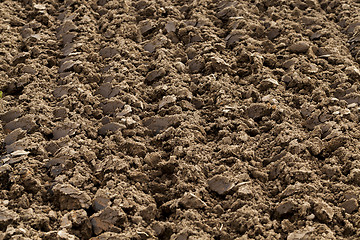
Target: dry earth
170, 119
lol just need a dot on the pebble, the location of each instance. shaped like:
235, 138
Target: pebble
110, 106
157, 124
301, 234
355, 176
220, 184
299, 47
167, 100
71, 198
108, 52
106, 219
26, 122
258, 110
196, 65
285, 208
110, 128
14, 136
268, 83
350, 205
323, 211
10, 115
155, 74
7, 217
190, 200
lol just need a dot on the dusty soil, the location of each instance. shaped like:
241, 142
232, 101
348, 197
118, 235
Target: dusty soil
170, 119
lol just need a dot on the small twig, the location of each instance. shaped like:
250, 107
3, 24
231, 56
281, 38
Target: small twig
198, 199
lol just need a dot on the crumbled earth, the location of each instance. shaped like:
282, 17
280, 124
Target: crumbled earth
197, 119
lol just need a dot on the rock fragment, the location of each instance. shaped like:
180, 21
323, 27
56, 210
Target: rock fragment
107, 219
155, 74
323, 211
64, 130
26, 122
167, 100
110, 128
258, 110
146, 27
355, 176
14, 136
107, 90
7, 217
77, 223
110, 106
108, 52
157, 124
220, 184
170, 27
71, 198
301, 234
268, 83
196, 65
10, 115
350, 205
100, 203
299, 47
285, 208
67, 65
190, 200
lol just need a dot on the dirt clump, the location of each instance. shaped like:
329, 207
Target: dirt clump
179, 120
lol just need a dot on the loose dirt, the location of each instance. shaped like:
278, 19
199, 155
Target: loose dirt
170, 119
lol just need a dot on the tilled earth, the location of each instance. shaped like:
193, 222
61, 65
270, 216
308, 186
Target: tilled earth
171, 119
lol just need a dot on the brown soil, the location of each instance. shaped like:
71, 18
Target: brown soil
170, 119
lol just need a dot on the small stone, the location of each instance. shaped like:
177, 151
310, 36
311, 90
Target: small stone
149, 213
111, 106
353, 72
15, 135
100, 203
190, 200
302, 234
26, 122
196, 65
284, 208
107, 90
323, 211
157, 124
20, 58
155, 74
110, 128
107, 219
268, 83
68, 65
220, 184
299, 47
350, 205
167, 100
355, 176
64, 235
108, 52
61, 91
170, 27
273, 33
10, 115
153, 159
71, 198
258, 110
127, 109
7, 217
146, 26
219, 64
64, 130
